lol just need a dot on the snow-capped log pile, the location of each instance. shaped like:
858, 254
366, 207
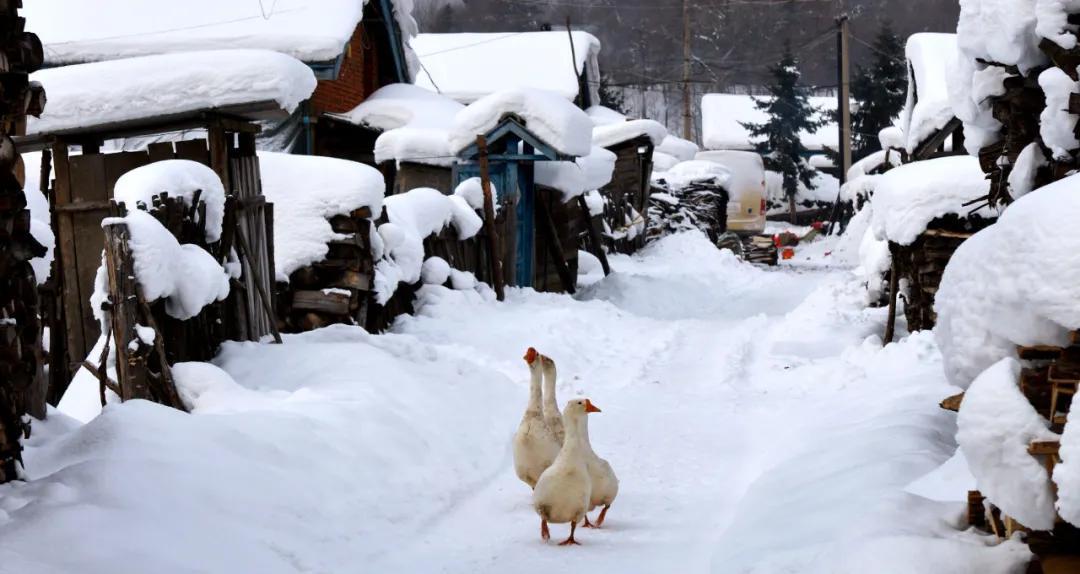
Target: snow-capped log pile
419, 225
323, 213
924, 211
691, 195
626, 196
1009, 308
158, 297
1014, 86
413, 125
927, 110
22, 382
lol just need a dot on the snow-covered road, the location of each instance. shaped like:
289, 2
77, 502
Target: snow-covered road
754, 420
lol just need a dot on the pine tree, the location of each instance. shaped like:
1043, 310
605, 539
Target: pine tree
611, 97
790, 114
879, 91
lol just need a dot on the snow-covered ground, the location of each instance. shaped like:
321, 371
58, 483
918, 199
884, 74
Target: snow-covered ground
754, 420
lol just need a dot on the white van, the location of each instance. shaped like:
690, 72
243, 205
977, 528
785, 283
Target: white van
746, 206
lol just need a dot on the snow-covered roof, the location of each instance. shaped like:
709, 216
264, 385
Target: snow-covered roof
909, 197
400, 105
129, 90
467, 67
574, 178
613, 128
1012, 283
554, 120
306, 192
928, 109
675, 146
77, 31
721, 115
746, 168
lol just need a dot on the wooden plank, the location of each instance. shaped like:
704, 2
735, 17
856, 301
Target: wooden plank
194, 150
328, 302
65, 254
1044, 448
87, 174
159, 151
554, 245
1038, 352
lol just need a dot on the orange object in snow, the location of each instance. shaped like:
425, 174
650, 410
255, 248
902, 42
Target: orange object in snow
788, 253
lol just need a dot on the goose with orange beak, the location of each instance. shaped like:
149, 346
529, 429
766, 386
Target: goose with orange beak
564, 491
535, 446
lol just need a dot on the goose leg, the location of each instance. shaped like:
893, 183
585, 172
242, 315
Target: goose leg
569, 541
544, 533
588, 524
600, 519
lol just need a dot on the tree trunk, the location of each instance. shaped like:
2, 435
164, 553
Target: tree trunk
791, 210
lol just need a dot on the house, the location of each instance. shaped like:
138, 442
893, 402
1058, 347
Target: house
94, 105
467, 67
352, 46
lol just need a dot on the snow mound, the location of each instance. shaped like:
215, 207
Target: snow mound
180, 178
414, 216
677, 147
949, 482
1053, 21
928, 109
467, 67
435, 271
573, 178
663, 162
613, 134
1067, 473
146, 87
908, 198
472, 191
1014, 283
1024, 171
1001, 31
427, 146
185, 276
557, 122
995, 426
1056, 124
306, 192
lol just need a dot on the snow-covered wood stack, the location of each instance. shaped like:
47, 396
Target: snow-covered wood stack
922, 210
22, 384
691, 195
626, 196
324, 208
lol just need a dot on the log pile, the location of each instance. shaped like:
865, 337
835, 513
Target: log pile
22, 383
336, 289
699, 205
1049, 381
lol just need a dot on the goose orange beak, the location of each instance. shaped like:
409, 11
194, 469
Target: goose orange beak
530, 355
590, 408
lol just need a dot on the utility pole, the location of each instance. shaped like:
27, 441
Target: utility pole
844, 94
688, 118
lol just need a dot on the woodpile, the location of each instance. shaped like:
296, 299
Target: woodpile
699, 205
336, 289
920, 266
22, 383
626, 206
1049, 381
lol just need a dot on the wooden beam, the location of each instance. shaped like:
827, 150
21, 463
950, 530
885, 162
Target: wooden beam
494, 253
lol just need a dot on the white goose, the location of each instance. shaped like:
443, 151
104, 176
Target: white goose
605, 485
535, 446
551, 407
564, 490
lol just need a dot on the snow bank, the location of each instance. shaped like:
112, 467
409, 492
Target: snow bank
141, 88
616, 133
927, 109
414, 216
467, 67
907, 198
554, 120
308, 190
472, 191
722, 116
1016, 282
185, 276
1067, 472
180, 178
860, 181
1053, 21
579, 176
949, 482
75, 31
684, 150
1056, 124
995, 426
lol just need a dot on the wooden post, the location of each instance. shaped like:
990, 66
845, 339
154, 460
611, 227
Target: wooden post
489, 221
555, 249
844, 94
688, 119
595, 240
894, 286
260, 288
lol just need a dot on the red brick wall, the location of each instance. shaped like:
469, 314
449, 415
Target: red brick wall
356, 80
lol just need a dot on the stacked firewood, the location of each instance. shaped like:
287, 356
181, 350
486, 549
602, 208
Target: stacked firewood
699, 205
22, 384
336, 289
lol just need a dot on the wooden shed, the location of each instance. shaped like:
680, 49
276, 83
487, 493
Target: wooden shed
627, 196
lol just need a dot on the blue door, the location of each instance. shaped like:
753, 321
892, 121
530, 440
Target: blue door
514, 187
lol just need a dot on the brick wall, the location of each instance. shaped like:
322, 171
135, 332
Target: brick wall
356, 80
